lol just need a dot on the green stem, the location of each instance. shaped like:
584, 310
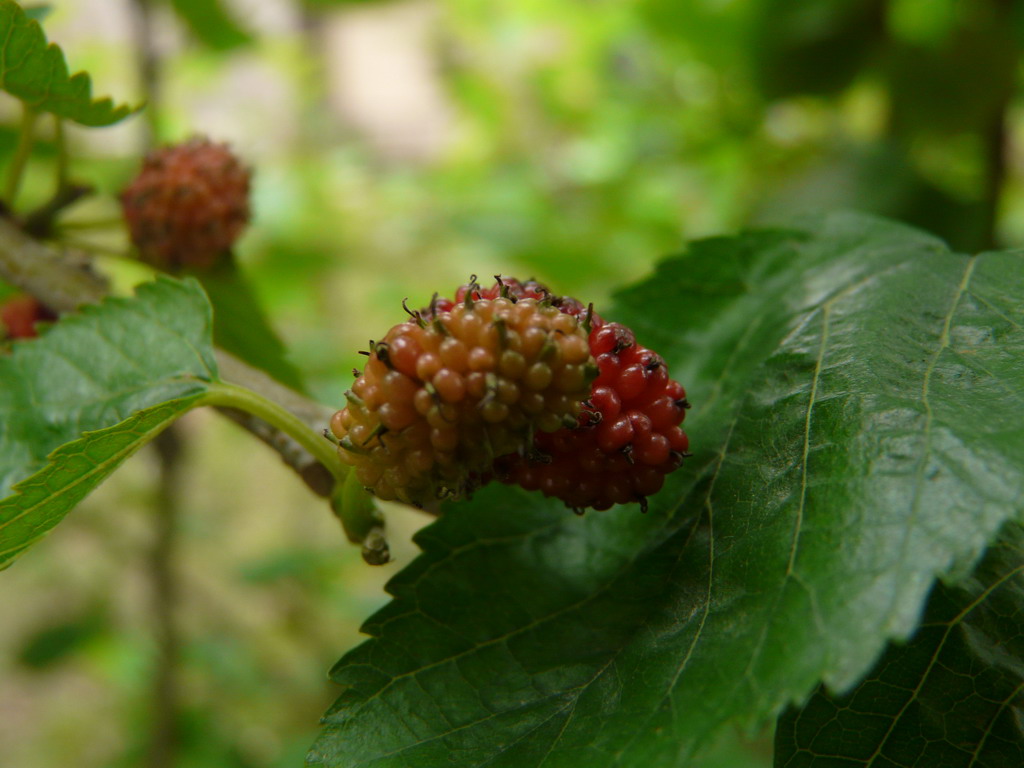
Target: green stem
233, 396
21, 155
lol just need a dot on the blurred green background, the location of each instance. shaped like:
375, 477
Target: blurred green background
399, 147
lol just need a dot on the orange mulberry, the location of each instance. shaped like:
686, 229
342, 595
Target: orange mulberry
463, 383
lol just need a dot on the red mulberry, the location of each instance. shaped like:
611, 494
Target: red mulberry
627, 437
19, 315
188, 205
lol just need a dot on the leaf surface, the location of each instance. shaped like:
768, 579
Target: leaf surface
94, 372
953, 696
36, 73
851, 381
74, 470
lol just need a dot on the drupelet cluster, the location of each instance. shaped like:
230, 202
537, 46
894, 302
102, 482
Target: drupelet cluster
444, 395
513, 383
187, 205
628, 436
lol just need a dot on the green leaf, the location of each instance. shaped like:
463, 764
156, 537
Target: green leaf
126, 368
54, 643
211, 23
97, 368
240, 326
814, 47
953, 696
35, 72
74, 470
851, 380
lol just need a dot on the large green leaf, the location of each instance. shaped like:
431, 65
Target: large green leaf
953, 696
92, 371
36, 73
851, 382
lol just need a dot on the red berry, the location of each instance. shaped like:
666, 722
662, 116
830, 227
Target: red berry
188, 205
19, 315
631, 382
627, 437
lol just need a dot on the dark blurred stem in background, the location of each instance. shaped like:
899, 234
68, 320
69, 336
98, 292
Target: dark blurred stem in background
165, 736
149, 70
996, 158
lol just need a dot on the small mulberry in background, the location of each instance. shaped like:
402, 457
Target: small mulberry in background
20, 314
188, 205
444, 395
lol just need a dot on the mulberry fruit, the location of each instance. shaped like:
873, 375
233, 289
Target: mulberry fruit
188, 205
463, 383
19, 315
628, 436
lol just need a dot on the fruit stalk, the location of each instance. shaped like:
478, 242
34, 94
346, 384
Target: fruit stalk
223, 394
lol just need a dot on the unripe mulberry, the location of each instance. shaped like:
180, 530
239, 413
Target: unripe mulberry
19, 315
442, 396
188, 205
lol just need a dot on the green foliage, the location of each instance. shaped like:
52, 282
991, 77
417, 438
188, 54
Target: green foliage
240, 325
211, 23
855, 421
38, 503
950, 697
926, 78
118, 372
792, 40
850, 379
98, 367
56, 642
35, 72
